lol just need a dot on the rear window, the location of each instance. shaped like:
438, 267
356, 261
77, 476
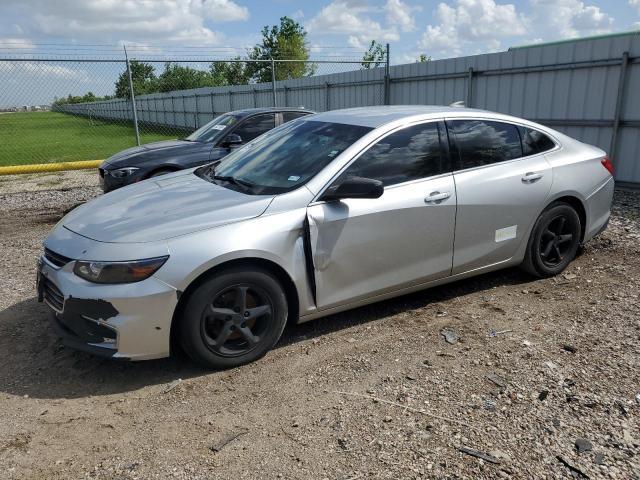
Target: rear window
483, 142
534, 142
288, 116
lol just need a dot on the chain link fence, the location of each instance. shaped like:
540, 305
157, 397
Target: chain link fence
77, 109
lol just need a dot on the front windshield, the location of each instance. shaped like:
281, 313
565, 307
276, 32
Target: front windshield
288, 156
212, 130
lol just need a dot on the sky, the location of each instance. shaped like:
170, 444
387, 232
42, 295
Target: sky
440, 29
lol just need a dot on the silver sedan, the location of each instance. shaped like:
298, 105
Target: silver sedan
320, 215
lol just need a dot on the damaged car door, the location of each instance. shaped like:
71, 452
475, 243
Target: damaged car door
363, 247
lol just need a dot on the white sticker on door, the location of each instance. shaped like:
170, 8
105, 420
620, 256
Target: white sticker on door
506, 233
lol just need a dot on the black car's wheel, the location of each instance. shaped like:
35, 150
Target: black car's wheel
233, 318
554, 240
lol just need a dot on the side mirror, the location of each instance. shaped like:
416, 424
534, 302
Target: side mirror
354, 187
232, 140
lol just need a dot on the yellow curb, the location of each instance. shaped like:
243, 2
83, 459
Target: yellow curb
49, 167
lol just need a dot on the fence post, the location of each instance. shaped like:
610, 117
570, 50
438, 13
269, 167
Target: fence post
273, 81
255, 98
197, 113
619, 103
133, 97
387, 80
469, 87
230, 100
213, 110
327, 102
286, 99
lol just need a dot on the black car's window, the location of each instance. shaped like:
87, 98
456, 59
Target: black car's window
287, 156
255, 126
408, 154
288, 116
216, 128
482, 142
534, 142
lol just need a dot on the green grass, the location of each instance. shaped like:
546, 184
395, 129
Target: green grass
45, 137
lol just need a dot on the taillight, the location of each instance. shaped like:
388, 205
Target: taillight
606, 163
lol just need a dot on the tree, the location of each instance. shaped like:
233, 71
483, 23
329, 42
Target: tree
86, 98
376, 54
143, 77
177, 77
230, 73
423, 58
284, 42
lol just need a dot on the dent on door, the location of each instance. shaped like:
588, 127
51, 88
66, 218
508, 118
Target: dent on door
322, 245
365, 247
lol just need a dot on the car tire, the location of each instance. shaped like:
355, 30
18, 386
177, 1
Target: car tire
554, 241
159, 173
219, 329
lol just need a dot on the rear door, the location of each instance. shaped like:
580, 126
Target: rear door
500, 188
364, 247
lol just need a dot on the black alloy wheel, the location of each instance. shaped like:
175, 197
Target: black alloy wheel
233, 317
236, 320
554, 240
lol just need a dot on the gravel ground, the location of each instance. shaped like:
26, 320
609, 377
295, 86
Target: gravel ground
541, 382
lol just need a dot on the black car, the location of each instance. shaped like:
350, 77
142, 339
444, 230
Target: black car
209, 143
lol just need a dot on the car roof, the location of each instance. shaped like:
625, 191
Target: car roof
252, 111
381, 115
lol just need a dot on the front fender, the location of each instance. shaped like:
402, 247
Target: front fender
277, 238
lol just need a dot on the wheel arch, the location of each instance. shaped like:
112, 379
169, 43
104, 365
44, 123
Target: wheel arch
291, 292
578, 205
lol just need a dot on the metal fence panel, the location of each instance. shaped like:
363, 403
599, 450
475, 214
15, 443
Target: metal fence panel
580, 87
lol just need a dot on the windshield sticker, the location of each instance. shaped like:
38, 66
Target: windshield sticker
332, 153
293, 178
218, 127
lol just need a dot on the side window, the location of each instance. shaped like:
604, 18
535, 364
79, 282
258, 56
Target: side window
288, 116
408, 154
534, 141
482, 142
255, 126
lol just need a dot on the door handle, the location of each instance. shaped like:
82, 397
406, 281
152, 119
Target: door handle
531, 177
437, 197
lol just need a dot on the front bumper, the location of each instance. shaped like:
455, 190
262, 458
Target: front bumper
109, 183
127, 321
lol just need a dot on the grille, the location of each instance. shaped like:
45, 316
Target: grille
55, 258
52, 295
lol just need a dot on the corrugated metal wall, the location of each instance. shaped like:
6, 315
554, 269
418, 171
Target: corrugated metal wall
573, 86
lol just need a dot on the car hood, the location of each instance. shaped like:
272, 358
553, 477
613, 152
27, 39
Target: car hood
154, 151
158, 209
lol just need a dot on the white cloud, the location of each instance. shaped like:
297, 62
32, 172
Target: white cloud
635, 4
16, 43
479, 24
225, 11
475, 26
44, 70
348, 17
401, 14
131, 20
297, 15
569, 18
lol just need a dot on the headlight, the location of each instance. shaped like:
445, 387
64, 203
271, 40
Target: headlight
118, 272
123, 172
